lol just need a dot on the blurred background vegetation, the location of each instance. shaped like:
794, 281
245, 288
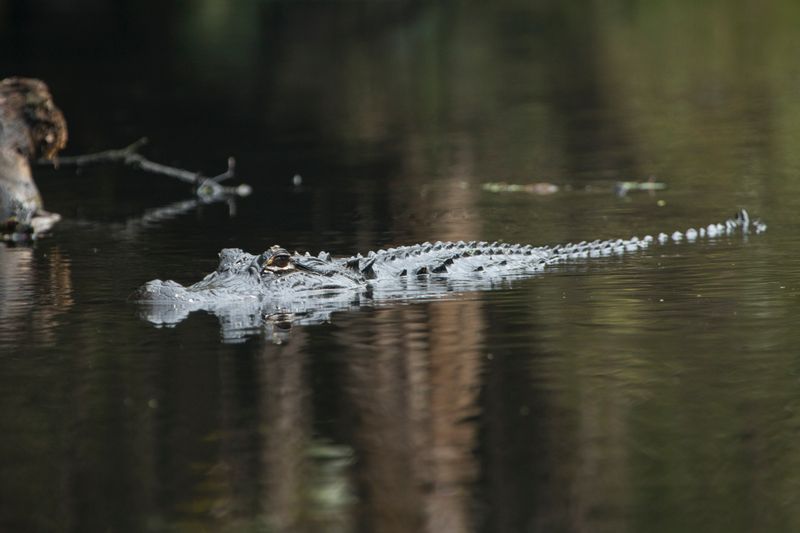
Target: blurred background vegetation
521, 87
381, 98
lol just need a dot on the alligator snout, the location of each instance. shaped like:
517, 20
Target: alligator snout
157, 290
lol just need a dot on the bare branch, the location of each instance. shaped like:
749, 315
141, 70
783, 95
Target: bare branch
205, 187
106, 156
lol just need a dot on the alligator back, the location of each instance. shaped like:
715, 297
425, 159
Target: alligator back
471, 260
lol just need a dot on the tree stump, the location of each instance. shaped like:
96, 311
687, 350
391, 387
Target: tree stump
31, 127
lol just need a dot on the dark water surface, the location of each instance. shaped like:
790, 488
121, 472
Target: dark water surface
659, 391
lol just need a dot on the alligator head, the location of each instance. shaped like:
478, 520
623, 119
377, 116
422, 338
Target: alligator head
275, 275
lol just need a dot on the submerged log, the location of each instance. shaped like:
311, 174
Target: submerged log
31, 127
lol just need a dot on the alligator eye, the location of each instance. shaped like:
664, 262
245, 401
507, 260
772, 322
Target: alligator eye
278, 261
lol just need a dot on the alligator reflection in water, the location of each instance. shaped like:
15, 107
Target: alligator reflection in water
247, 289
241, 319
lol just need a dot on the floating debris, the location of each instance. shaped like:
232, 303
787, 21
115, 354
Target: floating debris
543, 188
540, 188
622, 188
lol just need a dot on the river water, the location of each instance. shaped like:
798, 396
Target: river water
658, 391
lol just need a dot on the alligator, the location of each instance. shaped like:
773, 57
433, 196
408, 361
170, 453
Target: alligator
246, 289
